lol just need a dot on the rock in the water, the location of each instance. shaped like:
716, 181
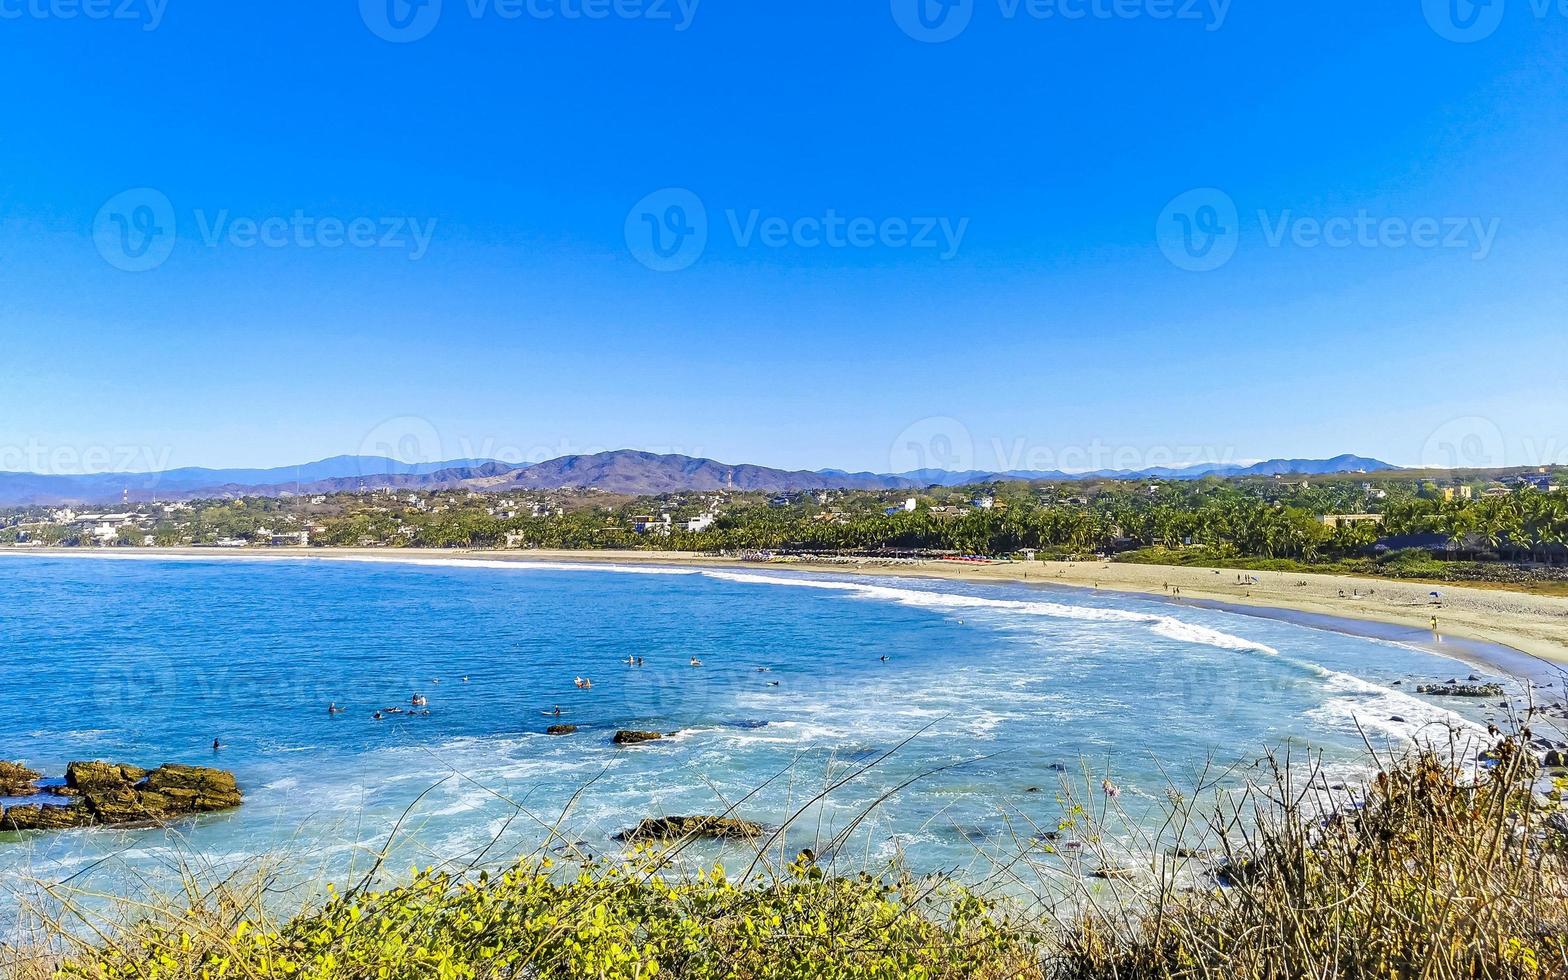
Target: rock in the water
1113, 874
89, 776
109, 794
17, 780
624, 737
1556, 759
175, 790
34, 817
1454, 689
561, 730
679, 828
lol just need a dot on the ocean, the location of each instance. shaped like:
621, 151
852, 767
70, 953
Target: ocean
953, 720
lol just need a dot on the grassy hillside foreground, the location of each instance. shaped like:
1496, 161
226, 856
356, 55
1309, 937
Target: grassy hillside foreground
1434, 872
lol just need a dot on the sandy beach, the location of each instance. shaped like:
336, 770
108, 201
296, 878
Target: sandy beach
1469, 619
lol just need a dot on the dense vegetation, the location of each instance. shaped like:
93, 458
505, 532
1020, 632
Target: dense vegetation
1224, 520
1434, 871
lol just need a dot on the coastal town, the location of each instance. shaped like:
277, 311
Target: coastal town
1481, 519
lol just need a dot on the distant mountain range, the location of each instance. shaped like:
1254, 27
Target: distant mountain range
623, 471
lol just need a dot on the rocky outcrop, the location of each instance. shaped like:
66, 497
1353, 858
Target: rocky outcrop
31, 816
561, 730
624, 737
1455, 690
109, 794
17, 780
680, 828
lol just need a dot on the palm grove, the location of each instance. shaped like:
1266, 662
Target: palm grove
1212, 519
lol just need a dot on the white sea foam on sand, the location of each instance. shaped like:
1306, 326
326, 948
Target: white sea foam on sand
1167, 626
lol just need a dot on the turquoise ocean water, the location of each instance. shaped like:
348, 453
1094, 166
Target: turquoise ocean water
998, 689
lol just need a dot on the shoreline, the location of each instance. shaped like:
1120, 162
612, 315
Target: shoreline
1519, 634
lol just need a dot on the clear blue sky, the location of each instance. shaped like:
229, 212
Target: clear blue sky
1049, 322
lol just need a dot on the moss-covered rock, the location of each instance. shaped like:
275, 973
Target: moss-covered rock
31, 816
625, 737
679, 828
87, 777
17, 780
111, 794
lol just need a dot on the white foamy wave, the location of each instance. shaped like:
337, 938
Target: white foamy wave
1175, 629
525, 565
1167, 626
1383, 711
388, 559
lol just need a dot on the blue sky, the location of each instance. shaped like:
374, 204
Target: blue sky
1074, 233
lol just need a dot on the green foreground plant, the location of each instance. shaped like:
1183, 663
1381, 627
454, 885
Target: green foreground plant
1435, 869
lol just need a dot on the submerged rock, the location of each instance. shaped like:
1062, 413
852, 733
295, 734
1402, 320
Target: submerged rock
624, 737
678, 828
561, 730
17, 780
109, 794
